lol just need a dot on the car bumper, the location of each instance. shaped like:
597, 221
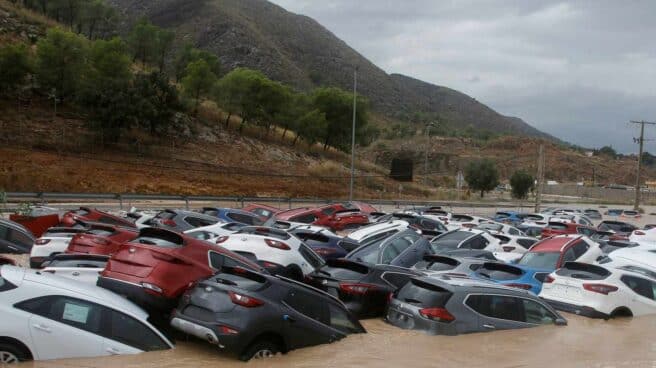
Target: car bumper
577, 309
234, 343
137, 294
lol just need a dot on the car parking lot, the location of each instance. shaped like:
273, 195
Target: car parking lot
583, 342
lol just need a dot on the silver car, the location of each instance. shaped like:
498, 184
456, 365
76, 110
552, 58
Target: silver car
442, 305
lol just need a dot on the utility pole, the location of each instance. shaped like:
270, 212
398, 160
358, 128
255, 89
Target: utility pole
540, 179
355, 103
640, 141
428, 126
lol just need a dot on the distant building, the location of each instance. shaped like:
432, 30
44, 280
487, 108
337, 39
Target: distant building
589, 153
552, 182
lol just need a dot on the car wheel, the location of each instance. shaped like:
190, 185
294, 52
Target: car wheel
10, 354
261, 349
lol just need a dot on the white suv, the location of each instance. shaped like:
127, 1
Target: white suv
54, 241
50, 317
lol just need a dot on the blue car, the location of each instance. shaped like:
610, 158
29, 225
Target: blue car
512, 275
509, 217
233, 215
323, 241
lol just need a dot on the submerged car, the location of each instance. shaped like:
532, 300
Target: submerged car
450, 306
262, 210
321, 240
155, 268
49, 317
403, 249
372, 233
466, 239
253, 315
434, 264
602, 292
363, 287
553, 253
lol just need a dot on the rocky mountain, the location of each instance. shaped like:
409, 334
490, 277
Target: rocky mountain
297, 50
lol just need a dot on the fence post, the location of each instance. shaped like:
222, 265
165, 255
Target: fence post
120, 201
186, 199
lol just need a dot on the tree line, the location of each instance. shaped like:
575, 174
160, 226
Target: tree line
142, 81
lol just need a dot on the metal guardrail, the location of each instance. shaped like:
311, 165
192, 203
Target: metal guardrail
46, 197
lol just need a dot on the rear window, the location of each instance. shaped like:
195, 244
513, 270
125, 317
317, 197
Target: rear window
81, 212
423, 294
305, 219
455, 235
547, 260
438, 264
100, 232
78, 263
157, 242
344, 270
526, 243
640, 270
311, 257
210, 212
5, 285
583, 271
247, 281
557, 226
499, 272
165, 215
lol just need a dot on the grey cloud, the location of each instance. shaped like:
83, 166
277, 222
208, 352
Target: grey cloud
576, 69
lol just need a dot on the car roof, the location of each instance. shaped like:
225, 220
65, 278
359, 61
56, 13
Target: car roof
376, 227
554, 244
454, 283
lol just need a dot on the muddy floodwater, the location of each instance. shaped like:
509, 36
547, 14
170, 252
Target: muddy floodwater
584, 343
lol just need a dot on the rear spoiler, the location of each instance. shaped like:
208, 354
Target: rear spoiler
355, 266
579, 266
442, 259
265, 231
496, 266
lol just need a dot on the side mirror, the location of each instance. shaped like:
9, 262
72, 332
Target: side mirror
560, 322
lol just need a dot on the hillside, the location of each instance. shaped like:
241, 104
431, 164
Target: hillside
297, 50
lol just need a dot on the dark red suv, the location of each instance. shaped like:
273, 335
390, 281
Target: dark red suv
155, 268
564, 228
101, 239
335, 217
87, 214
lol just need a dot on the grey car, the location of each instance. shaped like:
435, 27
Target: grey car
181, 220
443, 305
15, 238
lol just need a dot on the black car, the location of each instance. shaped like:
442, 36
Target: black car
363, 287
14, 238
254, 315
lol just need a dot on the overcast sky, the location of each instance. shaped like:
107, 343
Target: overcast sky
579, 70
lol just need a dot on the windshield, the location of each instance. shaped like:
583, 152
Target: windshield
540, 259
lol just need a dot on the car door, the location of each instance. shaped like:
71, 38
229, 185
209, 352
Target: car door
127, 335
63, 327
496, 312
307, 319
643, 294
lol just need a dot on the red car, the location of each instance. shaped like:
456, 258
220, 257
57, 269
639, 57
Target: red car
156, 268
87, 214
265, 212
327, 216
101, 240
36, 224
563, 228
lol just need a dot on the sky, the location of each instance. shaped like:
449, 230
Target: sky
579, 70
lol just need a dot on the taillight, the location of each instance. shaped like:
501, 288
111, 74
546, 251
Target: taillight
356, 288
600, 288
325, 251
549, 279
42, 241
227, 330
221, 239
168, 222
244, 301
638, 232
519, 286
277, 244
437, 314
508, 249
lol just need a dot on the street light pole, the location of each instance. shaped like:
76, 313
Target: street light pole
355, 103
428, 126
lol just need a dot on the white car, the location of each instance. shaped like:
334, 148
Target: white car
54, 241
466, 239
642, 255
643, 236
372, 233
80, 267
212, 232
274, 249
601, 292
50, 317
500, 228
463, 220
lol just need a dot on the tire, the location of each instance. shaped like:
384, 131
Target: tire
260, 349
10, 354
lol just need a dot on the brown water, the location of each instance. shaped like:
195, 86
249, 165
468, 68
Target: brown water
584, 343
